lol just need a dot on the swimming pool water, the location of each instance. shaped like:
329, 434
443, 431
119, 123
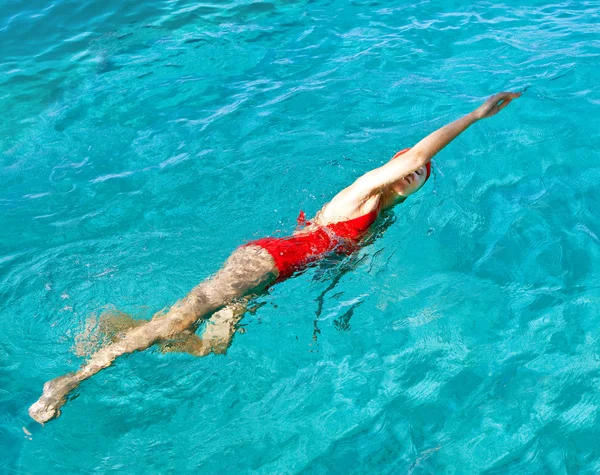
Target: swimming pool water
141, 142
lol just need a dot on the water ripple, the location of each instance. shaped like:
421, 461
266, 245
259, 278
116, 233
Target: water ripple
142, 142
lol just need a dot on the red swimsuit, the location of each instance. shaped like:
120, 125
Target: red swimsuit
295, 252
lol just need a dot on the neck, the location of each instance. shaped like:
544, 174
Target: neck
391, 198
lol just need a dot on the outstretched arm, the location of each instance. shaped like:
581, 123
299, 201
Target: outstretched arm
420, 154
427, 148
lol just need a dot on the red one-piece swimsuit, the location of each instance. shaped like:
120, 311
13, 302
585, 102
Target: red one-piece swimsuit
294, 253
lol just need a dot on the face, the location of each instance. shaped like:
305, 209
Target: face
410, 183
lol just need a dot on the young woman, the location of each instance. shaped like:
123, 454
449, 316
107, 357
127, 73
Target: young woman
337, 227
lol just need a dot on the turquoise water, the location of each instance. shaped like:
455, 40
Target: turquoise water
143, 141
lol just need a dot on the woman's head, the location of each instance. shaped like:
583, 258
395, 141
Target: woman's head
412, 182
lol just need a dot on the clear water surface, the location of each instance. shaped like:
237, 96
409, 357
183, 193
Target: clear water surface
141, 142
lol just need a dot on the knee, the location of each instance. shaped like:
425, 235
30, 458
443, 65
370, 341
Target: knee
213, 295
168, 326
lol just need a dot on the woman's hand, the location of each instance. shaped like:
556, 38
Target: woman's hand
494, 104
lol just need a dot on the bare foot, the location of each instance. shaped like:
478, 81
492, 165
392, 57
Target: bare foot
48, 406
185, 342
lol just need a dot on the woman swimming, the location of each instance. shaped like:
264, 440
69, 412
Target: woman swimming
337, 227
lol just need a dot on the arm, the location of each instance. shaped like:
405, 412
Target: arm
425, 150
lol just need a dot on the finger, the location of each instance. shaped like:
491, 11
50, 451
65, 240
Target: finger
503, 96
504, 104
497, 103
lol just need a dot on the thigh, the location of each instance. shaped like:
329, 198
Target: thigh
248, 269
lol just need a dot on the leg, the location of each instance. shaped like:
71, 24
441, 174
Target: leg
247, 269
219, 331
110, 326
113, 324
186, 342
216, 337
